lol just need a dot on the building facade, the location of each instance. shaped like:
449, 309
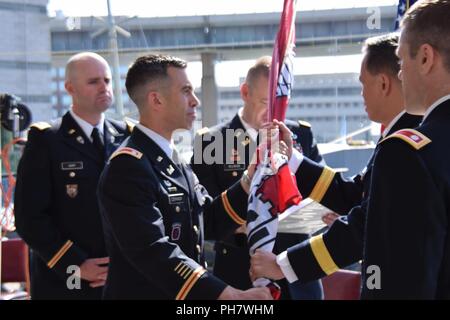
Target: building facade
25, 54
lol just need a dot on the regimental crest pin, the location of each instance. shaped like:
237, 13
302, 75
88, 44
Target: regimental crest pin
176, 232
72, 190
246, 141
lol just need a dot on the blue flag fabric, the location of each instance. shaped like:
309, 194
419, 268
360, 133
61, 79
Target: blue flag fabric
403, 6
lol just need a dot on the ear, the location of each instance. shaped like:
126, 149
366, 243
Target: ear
244, 91
154, 99
69, 87
385, 84
426, 56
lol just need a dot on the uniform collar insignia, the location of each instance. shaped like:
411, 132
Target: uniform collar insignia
170, 170
112, 130
167, 183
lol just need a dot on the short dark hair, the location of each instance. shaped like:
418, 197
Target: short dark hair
260, 68
427, 21
147, 69
380, 54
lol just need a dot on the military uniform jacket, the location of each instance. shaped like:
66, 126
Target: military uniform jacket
56, 207
332, 190
232, 260
343, 243
407, 236
153, 216
236, 155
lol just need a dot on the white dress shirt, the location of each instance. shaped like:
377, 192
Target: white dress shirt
166, 145
87, 127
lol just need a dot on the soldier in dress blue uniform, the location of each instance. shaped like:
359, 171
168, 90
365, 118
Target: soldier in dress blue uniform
56, 207
237, 142
384, 104
152, 205
406, 232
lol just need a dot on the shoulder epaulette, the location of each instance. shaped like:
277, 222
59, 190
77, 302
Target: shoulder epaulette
415, 138
41, 125
304, 124
126, 150
202, 131
130, 125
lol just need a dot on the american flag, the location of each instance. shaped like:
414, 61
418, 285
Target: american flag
273, 190
403, 6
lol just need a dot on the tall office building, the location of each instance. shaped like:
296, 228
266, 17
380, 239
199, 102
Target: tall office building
25, 54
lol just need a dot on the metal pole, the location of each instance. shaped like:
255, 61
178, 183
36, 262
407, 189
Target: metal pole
115, 57
210, 110
1, 214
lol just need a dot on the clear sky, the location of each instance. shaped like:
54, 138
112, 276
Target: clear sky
201, 7
151, 8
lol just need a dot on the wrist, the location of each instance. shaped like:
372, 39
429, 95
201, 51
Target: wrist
246, 179
229, 293
245, 182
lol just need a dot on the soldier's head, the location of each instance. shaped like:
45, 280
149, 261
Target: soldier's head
255, 92
162, 91
424, 52
88, 81
381, 88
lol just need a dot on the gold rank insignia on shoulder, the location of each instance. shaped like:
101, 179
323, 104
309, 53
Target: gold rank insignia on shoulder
41, 125
202, 131
304, 124
413, 137
130, 125
128, 151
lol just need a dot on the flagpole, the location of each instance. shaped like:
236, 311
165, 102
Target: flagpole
273, 190
1, 213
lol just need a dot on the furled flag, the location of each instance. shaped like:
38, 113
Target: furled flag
273, 190
403, 6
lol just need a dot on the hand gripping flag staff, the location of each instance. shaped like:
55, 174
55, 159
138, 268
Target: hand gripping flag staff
273, 190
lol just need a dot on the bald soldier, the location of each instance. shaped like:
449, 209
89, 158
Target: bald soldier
55, 200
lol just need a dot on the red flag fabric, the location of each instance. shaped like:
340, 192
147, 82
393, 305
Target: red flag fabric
277, 190
273, 189
281, 75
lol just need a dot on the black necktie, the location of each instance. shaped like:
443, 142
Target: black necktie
97, 142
